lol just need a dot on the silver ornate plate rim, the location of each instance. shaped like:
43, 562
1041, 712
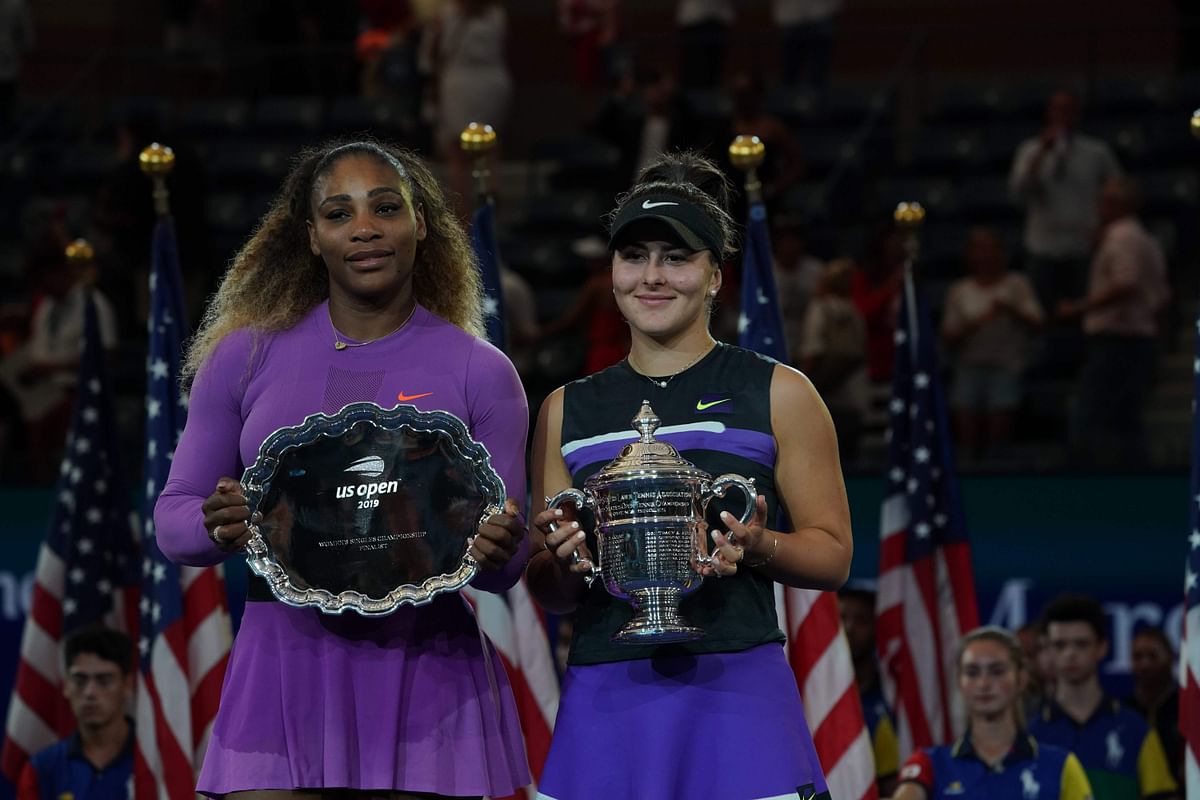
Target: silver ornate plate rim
257, 478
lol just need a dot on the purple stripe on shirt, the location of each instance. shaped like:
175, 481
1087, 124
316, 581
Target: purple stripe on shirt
754, 445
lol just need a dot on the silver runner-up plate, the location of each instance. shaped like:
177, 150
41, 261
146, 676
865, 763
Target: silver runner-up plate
368, 509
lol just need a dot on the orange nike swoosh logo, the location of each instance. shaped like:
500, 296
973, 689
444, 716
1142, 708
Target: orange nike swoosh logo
404, 398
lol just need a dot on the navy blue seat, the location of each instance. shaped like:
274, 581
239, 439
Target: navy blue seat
248, 164
575, 213
1170, 191
986, 199
298, 117
86, 166
974, 103
946, 151
215, 117
579, 162
1128, 95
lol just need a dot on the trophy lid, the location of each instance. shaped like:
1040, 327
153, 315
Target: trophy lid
646, 452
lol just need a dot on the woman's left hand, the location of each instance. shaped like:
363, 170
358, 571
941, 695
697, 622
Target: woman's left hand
732, 546
744, 540
498, 538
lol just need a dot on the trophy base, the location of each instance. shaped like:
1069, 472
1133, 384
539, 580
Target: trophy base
656, 619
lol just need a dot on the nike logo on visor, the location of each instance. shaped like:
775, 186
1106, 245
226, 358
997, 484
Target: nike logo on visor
646, 204
404, 398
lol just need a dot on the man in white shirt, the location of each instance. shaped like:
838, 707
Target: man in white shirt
1057, 176
1127, 289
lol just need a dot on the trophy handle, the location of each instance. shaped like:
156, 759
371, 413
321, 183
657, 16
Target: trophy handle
581, 501
722, 484
718, 488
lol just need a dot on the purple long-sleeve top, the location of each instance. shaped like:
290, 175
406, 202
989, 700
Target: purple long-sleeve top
253, 385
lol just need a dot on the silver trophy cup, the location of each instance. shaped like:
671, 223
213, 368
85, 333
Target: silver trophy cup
649, 506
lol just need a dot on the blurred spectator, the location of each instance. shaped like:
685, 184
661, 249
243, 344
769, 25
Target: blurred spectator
1036, 693
876, 291
834, 354
796, 276
1127, 288
806, 29
41, 377
1057, 176
16, 39
1156, 692
987, 319
594, 310
783, 164
591, 26
857, 605
465, 49
95, 762
703, 41
1122, 755
386, 49
644, 117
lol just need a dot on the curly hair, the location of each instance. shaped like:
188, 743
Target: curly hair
694, 178
274, 279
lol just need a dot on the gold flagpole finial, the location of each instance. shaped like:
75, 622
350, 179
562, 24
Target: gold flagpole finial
909, 218
479, 138
80, 251
747, 153
81, 254
156, 162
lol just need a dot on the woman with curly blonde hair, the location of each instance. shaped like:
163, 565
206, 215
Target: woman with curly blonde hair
358, 285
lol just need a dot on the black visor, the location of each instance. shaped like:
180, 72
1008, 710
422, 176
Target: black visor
693, 227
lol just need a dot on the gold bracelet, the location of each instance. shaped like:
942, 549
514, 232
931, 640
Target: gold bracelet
774, 550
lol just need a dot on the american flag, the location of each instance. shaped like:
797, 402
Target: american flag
483, 242
184, 631
926, 596
87, 567
817, 647
1189, 679
512, 622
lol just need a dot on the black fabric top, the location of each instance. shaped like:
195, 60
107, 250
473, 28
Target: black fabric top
717, 414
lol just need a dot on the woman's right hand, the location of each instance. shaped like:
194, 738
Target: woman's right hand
564, 538
225, 515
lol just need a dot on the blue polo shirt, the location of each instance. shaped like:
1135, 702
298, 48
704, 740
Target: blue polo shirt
63, 772
1121, 753
1030, 771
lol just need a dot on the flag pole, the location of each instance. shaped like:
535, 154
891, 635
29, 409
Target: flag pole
479, 139
1189, 660
747, 154
156, 162
909, 218
820, 660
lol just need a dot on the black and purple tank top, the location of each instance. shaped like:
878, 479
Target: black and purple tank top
717, 414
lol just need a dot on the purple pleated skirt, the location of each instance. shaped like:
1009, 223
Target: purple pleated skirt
409, 701
724, 726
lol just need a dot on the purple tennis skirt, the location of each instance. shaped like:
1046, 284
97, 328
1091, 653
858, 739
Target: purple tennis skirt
411, 701
723, 726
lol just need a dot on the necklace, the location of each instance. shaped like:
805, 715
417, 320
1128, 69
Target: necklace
662, 382
338, 344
